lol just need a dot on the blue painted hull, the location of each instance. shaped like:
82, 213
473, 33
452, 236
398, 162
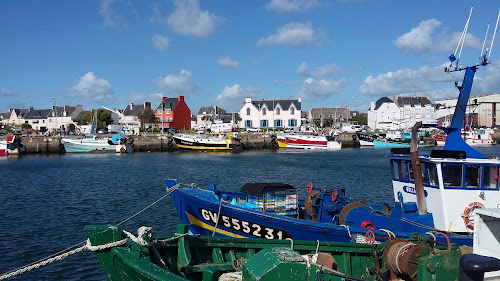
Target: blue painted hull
378, 143
200, 208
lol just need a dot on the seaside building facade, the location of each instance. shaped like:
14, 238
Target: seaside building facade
270, 113
173, 113
482, 110
400, 113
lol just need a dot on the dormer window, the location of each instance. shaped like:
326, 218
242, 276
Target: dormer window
248, 111
277, 111
292, 110
264, 111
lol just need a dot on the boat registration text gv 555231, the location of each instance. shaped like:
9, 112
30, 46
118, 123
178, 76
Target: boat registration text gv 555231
249, 228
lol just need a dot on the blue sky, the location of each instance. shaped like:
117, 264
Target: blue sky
329, 53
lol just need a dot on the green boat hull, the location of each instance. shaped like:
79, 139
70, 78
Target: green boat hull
185, 257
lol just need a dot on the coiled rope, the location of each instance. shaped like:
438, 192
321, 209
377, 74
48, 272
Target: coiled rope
67, 252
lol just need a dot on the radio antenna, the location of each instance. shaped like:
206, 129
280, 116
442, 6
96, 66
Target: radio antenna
460, 44
494, 33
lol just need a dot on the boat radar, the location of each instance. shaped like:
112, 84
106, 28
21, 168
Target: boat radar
454, 140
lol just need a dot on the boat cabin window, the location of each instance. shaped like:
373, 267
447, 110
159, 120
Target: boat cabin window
400, 170
491, 177
473, 176
452, 175
403, 172
432, 174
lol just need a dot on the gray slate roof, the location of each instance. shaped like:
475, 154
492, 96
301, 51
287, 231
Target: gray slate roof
169, 103
412, 101
381, 101
38, 114
210, 110
284, 104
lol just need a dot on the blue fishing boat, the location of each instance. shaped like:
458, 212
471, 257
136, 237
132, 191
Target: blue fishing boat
434, 195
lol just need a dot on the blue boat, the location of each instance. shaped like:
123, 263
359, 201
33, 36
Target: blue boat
434, 195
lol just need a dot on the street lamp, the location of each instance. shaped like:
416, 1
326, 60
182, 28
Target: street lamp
55, 111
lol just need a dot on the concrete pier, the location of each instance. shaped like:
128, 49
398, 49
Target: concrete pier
158, 143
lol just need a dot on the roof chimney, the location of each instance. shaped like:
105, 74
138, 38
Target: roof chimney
163, 98
372, 105
248, 100
181, 98
131, 105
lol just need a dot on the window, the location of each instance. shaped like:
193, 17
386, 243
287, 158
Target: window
341, 117
264, 111
473, 176
452, 175
248, 111
292, 122
248, 123
279, 123
292, 110
403, 172
490, 173
278, 111
394, 169
263, 123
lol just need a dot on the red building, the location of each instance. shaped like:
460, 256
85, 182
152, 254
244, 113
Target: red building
174, 113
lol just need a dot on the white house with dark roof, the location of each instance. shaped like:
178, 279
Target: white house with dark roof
400, 113
56, 117
130, 115
16, 116
270, 113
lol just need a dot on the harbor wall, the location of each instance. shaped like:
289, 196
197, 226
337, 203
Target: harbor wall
158, 143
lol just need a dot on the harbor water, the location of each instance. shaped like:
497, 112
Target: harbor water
46, 201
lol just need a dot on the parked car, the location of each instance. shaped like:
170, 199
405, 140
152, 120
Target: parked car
253, 130
102, 131
291, 129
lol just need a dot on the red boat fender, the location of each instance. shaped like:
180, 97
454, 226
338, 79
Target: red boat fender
309, 187
334, 195
367, 224
468, 212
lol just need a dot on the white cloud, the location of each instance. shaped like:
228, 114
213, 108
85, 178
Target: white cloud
404, 81
227, 62
294, 34
7, 92
188, 19
422, 39
113, 12
234, 95
287, 6
325, 70
317, 90
177, 84
160, 42
93, 89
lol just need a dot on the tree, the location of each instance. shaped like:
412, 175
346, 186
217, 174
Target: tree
103, 118
26, 126
85, 119
146, 116
361, 119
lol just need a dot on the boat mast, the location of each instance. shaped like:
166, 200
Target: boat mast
454, 141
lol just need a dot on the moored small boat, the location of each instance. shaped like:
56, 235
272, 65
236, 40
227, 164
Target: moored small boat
199, 142
93, 143
187, 257
300, 141
12, 146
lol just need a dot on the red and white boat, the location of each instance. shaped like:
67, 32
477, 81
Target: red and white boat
478, 136
308, 142
12, 146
